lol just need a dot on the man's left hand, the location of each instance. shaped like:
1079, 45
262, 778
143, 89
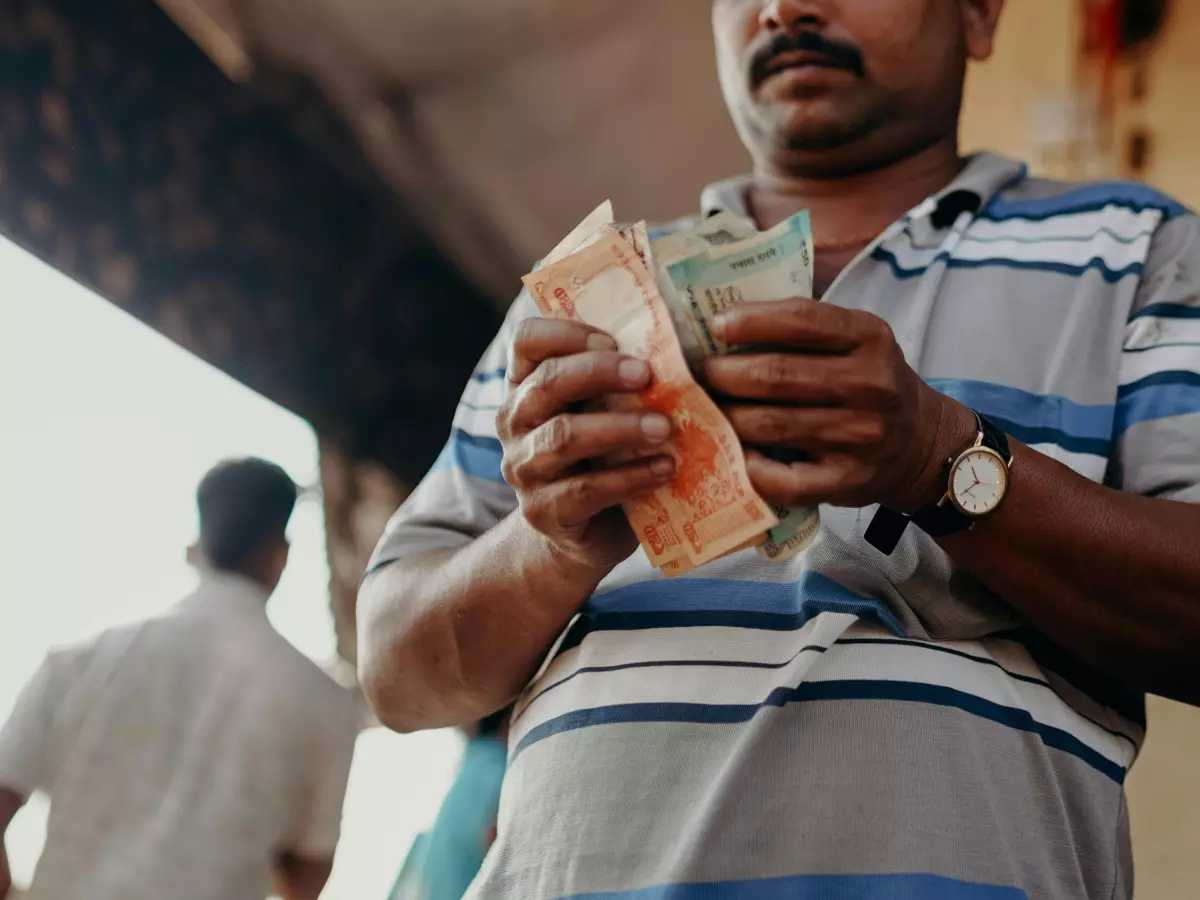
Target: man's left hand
835, 385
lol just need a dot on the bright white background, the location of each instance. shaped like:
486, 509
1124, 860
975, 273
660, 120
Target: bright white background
105, 429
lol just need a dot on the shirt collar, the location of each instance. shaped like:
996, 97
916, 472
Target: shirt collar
727, 196
984, 176
227, 593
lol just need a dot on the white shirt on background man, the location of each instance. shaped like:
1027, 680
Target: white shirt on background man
182, 755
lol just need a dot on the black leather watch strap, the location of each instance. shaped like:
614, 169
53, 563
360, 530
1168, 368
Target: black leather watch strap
886, 528
994, 437
938, 521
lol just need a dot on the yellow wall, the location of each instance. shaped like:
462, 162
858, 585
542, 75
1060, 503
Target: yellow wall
1031, 62
1171, 107
1034, 59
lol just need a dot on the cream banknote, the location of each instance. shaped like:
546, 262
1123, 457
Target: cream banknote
583, 234
713, 233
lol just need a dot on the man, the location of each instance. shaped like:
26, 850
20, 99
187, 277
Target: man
198, 755
953, 716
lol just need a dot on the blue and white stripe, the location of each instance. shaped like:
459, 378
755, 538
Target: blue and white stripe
821, 887
1076, 434
659, 675
486, 389
1160, 365
473, 448
1107, 197
473, 455
1113, 242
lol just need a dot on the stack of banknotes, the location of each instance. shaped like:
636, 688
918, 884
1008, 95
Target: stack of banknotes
657, 299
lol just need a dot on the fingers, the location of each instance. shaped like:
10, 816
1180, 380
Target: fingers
796, 484
537, 340
801, 323
565, 440
574, 501
560, 381
815, 429
791, 377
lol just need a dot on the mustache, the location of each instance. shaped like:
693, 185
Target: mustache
834, 54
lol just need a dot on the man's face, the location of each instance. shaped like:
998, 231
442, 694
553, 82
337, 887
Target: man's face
836, 84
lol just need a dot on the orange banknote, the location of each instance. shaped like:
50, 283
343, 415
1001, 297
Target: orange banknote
710, 508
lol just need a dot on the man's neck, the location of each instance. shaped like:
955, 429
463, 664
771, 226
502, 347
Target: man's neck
859, 206
244, 581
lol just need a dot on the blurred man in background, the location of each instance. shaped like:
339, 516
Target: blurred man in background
196, 756
996, 405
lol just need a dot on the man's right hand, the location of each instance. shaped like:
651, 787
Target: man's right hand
554, 451
449, 636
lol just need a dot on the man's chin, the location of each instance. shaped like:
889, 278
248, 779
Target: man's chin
804, 126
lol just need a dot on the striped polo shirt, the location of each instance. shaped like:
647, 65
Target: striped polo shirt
848, 724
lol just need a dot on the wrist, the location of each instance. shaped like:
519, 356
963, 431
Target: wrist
953, 429
571, 567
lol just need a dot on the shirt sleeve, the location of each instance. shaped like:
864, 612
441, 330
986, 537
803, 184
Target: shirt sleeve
28, 749
1156, 426
464, 494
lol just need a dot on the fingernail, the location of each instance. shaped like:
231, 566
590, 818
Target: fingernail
633, 372
663, 466
719, 323
656, 428
601, 342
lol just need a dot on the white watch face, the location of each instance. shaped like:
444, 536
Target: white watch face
979, 481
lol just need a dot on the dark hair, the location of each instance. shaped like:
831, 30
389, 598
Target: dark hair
244, 506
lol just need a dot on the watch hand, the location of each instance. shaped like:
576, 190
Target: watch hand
973, 475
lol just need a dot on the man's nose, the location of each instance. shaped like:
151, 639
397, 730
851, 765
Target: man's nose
791, 15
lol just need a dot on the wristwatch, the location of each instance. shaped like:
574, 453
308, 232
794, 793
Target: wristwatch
976, 485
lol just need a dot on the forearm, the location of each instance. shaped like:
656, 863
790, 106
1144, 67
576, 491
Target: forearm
1112, 577
447, 637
